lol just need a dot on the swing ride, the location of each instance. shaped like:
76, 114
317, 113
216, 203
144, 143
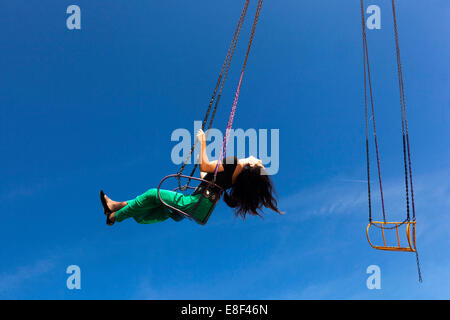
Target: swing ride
409, 222
211, 192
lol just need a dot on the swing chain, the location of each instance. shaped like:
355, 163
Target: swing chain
418, 266
236, 97
221, 82
367, 76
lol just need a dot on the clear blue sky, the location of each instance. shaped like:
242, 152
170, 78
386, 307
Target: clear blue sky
94, 108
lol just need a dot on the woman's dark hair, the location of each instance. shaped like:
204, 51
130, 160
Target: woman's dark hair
252, 190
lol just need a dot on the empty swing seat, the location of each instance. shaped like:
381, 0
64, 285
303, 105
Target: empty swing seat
383, 226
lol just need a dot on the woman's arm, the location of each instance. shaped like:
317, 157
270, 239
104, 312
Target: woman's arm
251, 161
206, 166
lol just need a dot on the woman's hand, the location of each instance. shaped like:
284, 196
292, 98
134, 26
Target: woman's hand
205, 165
201, 136
252, 161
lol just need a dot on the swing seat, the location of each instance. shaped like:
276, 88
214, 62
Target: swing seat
209, 197
410, 235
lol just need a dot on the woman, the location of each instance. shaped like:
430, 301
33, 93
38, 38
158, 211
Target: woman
250, 190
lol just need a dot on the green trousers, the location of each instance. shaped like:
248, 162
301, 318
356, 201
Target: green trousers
147, 208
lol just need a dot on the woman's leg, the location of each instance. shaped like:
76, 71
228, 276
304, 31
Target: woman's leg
147, 208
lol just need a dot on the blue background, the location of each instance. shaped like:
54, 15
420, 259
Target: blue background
94, 108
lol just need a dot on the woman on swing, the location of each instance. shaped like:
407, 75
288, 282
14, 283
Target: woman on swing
250, 190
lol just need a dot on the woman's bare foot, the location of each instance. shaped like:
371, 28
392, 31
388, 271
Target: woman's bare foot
110, 207
114, 205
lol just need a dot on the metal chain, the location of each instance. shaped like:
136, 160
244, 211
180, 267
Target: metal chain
406, 144
366, 114
402, 105
418, 266
221, 83
236, 97
241, 21
369, 77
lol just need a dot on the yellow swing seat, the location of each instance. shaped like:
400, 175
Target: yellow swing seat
410, 235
